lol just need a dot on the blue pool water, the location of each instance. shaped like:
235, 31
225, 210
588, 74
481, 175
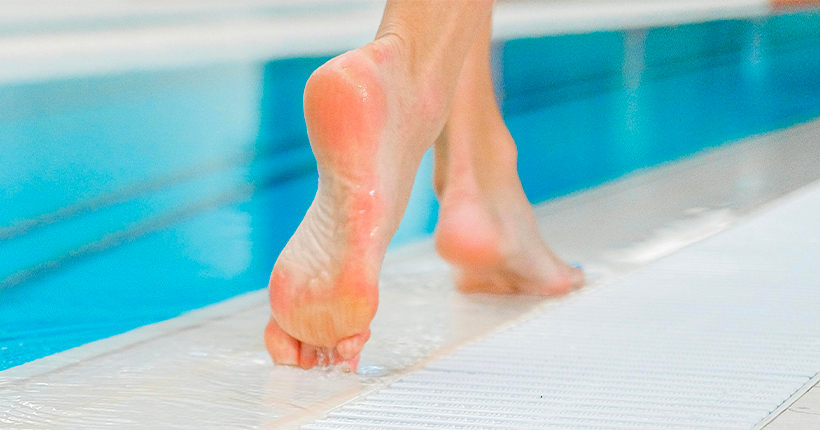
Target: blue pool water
126, 200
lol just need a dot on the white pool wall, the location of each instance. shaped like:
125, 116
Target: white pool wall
56, 42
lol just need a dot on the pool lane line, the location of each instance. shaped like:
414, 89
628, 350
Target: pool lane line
168, 219
135, 190
121, 195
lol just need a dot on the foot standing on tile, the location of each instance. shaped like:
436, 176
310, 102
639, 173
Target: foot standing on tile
487, 229
371, 114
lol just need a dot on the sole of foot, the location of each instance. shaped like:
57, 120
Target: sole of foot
367, 133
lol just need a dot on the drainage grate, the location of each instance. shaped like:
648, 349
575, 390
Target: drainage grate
716, 336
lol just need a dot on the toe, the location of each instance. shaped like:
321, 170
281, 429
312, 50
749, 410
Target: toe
578, 278
352, 363
282, 348
308, 356
350, 347
286, 350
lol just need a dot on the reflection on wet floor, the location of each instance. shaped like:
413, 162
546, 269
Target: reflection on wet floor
175, 227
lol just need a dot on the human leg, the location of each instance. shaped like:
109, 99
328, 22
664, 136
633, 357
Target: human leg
487, 228
371, 114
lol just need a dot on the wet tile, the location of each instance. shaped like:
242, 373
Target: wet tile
790, 420
809, 403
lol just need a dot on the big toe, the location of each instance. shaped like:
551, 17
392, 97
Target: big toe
561, 280
577, 277
350, 348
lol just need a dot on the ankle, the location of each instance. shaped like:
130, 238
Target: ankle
389, 47
420, 76
490, 146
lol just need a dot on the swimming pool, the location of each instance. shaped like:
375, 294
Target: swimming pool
130, 199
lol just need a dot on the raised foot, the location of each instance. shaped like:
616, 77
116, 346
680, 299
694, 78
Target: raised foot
324, 286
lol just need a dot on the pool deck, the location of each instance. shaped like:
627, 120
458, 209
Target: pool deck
209, 368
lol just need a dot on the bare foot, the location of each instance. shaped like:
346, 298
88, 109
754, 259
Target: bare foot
487, 228
369, 123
